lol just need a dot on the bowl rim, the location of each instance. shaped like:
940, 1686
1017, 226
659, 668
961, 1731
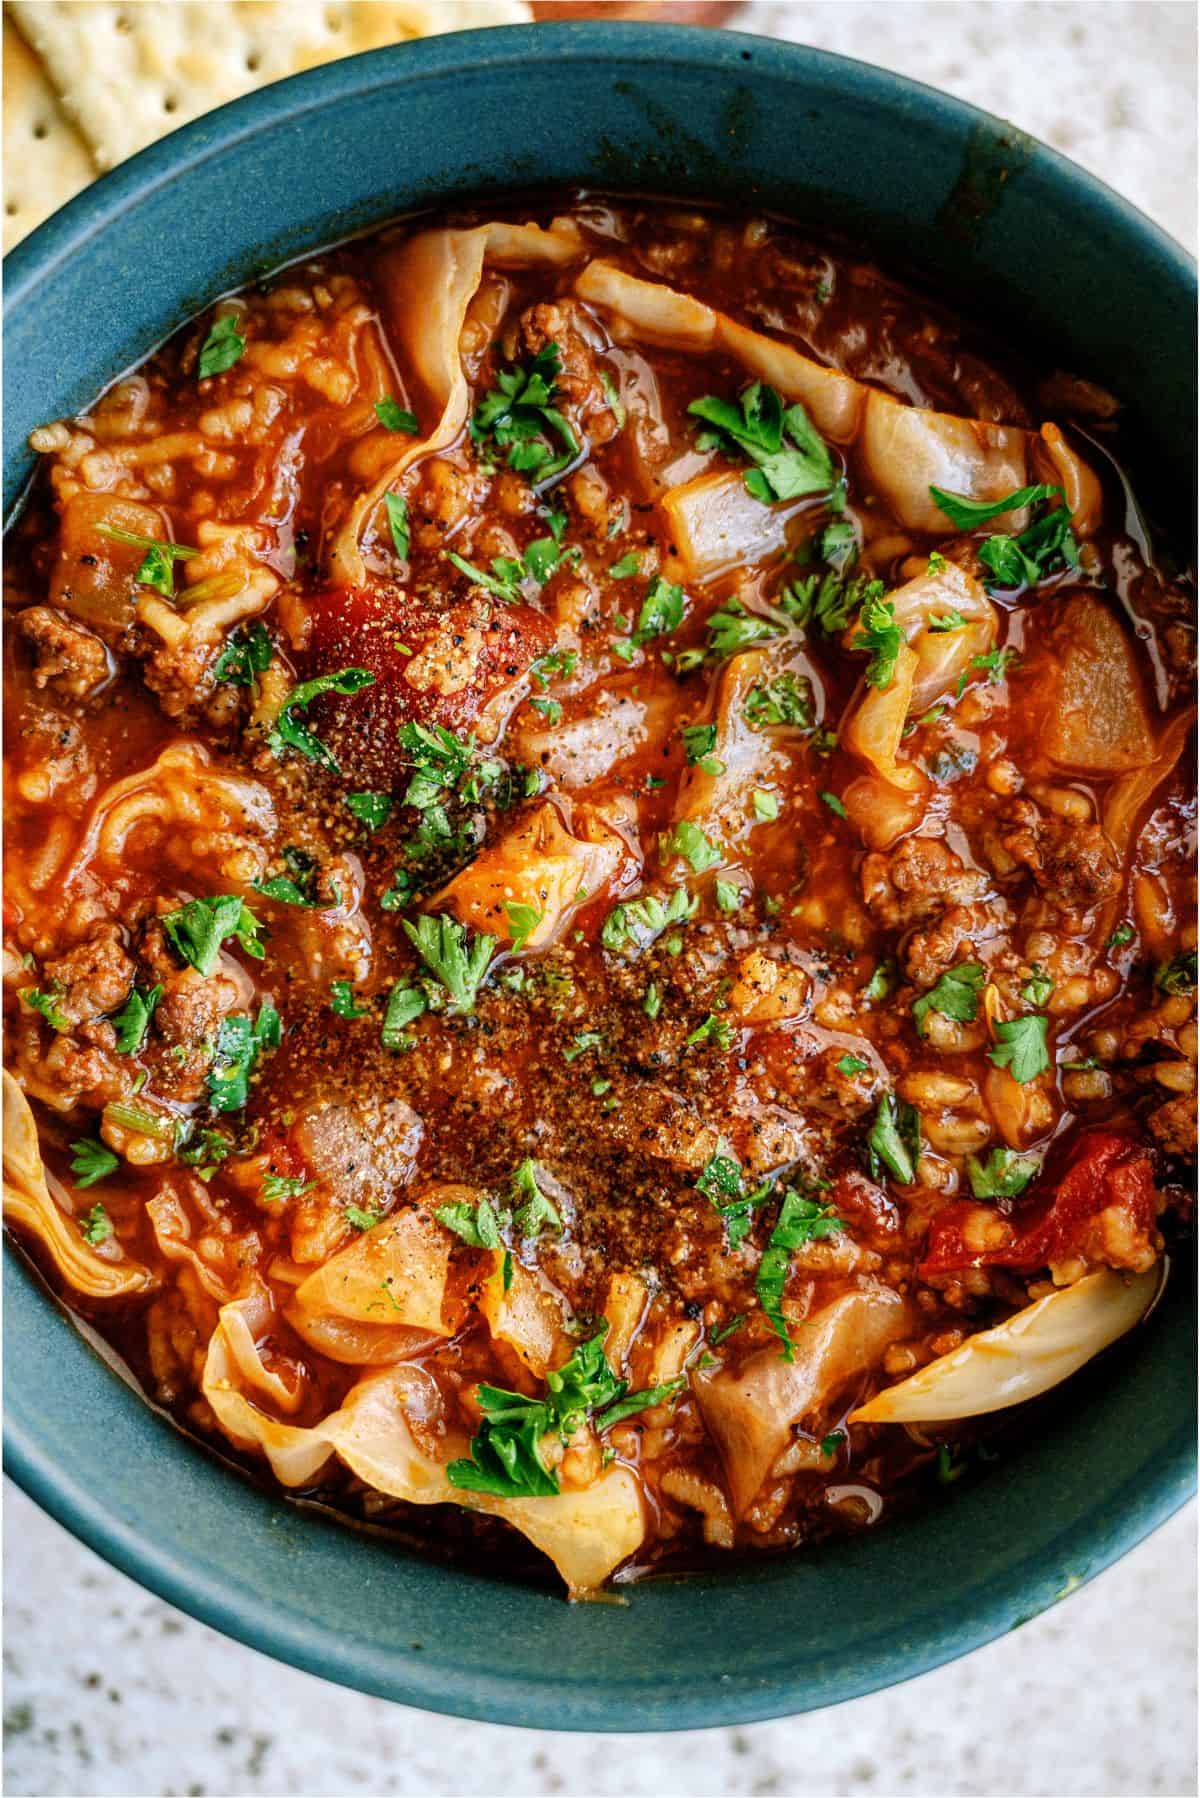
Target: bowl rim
259, 1624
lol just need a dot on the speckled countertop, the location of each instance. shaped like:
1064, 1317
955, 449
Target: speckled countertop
107, 1690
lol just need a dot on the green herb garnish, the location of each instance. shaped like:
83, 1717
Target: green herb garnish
197, 930
394, 418
221, 348
455, 956
1003, 1175
133, 1019
93, 1161
288, 733
247, 653
1022, 1047
790, 455
802, 1219
956, 996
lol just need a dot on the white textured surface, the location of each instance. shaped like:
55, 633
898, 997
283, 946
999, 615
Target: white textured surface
1110, 83
109, 1691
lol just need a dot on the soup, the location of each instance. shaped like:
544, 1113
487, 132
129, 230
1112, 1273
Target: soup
599, 895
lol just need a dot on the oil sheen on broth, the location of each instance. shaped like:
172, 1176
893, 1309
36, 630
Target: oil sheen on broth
599, 884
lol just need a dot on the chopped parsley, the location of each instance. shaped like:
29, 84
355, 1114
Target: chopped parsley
613, 398
96, 1226
699, 741
342, 1001
506, 1457
827, 601
1018, 561
802, 1219
197, 930
247, 653
880, 984
157, 567
477, 1225
299, 885
1177, 975
47, 1004
239, 1045
358, 1219
371, 809
880, 634
728, 895
204, 1149
997, 664
766, 805
791, 457
948, 621
637, 922
886, 1144
288, 733
661, 611
956, 996
721, 1181
393, 417
715, 1030
457, 957
396, 507
559, 664
277, 1189
133, 1019
786, 700
223, 346
851, 1065
1038, 988
1021, 1047
1003, 1175
405, 1005
689, 841
628, 565
969, 514
1123, 934
523, 920
837, 544
834, 803
518, 417
585, 1040
533, 1209
92, 1161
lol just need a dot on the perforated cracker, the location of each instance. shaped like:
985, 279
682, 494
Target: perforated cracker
127, 74
45, 159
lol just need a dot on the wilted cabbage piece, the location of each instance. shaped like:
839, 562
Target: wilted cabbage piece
928, 667
715, 524
380, 1432
1126, 800
1096, 719
1033, 1351
750, 1412
395, 1273
29, 1205
715, 793
429, 281
904, 449
526, 884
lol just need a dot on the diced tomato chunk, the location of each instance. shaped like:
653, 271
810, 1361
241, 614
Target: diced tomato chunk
432, 665
1058, 1220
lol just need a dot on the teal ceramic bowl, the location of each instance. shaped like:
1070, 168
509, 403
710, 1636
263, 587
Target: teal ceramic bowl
1000, 225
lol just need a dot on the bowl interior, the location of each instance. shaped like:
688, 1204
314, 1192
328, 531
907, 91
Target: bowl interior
1005, 229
